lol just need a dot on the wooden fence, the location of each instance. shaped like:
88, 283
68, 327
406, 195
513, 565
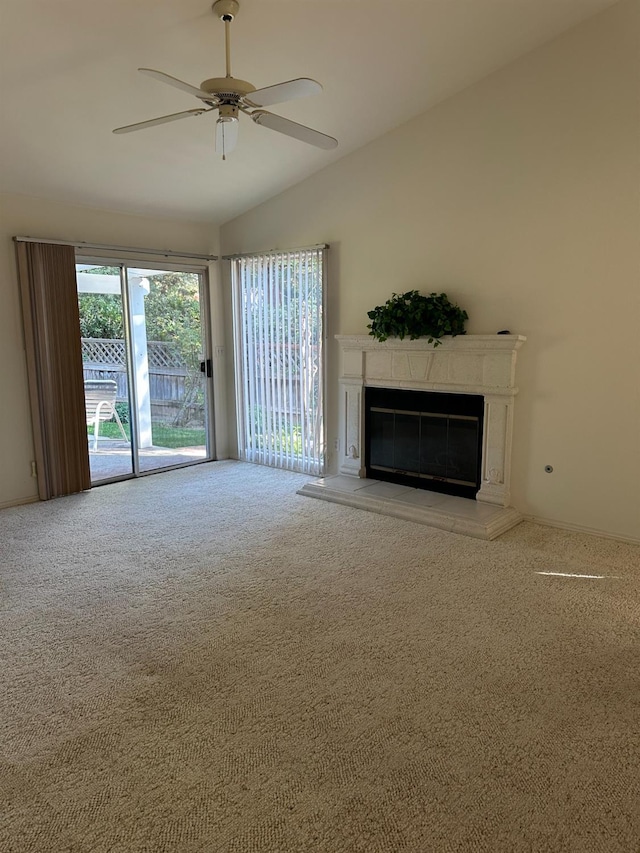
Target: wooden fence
169, 377
171, 380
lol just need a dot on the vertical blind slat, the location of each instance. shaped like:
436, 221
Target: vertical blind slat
252, 358
264, 340
280, 354
304, 358
290, 362
245, 295
273, 354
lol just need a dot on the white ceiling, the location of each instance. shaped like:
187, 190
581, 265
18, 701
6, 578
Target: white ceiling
68, 73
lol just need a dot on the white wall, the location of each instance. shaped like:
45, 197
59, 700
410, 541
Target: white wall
22, 216
519, 197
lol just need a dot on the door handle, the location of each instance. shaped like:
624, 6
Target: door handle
206, 367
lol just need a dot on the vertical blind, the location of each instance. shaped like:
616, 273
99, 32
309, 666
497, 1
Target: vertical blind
47, 275
278, 310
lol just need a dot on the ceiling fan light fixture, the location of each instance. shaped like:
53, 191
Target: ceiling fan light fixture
226, 131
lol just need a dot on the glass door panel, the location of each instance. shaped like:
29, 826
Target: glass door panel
167, 352
104, 365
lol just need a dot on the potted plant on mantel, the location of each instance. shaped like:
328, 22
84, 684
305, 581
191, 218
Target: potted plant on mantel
414, 316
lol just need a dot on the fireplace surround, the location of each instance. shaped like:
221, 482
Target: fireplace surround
482, 365
467, 364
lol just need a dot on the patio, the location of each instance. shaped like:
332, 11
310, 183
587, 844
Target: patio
113, 459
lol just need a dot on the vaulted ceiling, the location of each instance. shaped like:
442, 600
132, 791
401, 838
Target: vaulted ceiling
68, 77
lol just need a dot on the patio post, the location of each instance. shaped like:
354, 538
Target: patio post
139, 288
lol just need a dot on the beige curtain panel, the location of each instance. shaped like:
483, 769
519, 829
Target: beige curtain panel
54, 362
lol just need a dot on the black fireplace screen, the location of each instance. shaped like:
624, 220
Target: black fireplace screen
425, 439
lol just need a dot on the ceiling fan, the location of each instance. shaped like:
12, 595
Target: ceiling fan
230, 96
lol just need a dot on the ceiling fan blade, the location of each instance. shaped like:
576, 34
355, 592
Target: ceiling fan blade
178, 84
226, 136
288, 91
162, 120
292, 128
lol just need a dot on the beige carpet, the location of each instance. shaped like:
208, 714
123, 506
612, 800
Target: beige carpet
202, 660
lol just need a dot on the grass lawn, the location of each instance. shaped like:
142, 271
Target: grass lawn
163, 436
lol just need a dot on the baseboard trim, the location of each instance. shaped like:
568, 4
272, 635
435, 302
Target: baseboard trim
20, 502
579, 528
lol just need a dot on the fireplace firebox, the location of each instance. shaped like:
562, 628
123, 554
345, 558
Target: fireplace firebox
429, 440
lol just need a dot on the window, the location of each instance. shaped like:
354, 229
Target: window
278, 312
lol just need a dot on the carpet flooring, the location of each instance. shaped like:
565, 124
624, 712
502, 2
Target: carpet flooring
203, 660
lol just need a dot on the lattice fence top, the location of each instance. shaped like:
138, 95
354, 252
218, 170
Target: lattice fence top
165, 354
103, 351
113, 352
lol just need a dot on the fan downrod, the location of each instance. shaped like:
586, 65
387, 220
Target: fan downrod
226, 10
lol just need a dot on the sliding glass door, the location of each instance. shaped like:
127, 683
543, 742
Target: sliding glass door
147, 368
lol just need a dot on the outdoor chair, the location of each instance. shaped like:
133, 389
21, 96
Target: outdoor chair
100, 405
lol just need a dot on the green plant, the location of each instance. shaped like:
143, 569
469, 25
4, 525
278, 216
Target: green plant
122, 409
413, 315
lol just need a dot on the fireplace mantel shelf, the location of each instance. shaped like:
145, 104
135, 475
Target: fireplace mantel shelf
459, 342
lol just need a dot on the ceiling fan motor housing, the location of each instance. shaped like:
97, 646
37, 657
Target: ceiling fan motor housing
227, 88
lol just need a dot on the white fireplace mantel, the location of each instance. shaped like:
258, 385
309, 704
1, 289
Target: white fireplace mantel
467, 364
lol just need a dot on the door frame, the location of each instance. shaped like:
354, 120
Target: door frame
202, 270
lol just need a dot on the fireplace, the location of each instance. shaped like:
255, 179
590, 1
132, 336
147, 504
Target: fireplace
482, 366
442, 420
429, 440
